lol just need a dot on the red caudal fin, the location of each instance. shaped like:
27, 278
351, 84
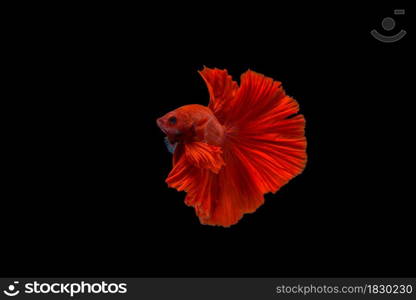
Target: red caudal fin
262, 130
264, 147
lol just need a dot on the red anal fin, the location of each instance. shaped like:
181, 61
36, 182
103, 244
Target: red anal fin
194, 174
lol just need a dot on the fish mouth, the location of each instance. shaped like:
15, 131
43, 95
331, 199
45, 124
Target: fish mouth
160, 125
165, 131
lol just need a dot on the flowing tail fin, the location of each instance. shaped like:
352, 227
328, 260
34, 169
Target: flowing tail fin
264, 147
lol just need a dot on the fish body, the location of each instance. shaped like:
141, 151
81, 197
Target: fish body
247, 142
192, 123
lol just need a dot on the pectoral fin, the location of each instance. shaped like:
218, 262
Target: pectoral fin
205, 156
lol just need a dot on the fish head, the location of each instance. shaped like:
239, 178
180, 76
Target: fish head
177, 125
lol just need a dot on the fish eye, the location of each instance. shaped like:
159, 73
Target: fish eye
172, 120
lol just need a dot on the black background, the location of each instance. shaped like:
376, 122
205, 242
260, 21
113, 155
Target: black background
87, 193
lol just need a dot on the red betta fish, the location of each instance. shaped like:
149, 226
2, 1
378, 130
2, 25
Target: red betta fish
246, 143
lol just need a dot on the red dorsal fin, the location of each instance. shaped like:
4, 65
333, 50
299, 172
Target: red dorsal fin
221, 87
